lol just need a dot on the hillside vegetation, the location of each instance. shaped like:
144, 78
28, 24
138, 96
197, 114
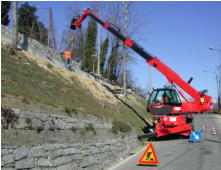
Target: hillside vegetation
31, 83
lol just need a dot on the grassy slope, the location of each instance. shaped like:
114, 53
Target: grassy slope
28, 83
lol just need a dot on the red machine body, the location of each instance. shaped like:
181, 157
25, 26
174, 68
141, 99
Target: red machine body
173, 125
168, 118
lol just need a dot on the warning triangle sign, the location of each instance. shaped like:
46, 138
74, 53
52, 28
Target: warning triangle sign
149, 157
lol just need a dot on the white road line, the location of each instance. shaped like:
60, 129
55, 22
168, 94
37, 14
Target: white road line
125, 160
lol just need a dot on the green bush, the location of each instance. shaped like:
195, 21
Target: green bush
29, 123
50, 66
8, 118
90, 127
52, 128
69, 110
74, 129
39, 129
82, 131
120, 126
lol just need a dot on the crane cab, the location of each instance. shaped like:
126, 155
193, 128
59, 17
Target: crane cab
162, 100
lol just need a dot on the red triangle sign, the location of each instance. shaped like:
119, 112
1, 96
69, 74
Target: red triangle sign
149, 157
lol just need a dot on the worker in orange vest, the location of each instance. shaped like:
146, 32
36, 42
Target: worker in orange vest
67, 58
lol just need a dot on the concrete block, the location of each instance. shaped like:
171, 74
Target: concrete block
25, 163
70, 151
37, 151
7, 168
36, 168
44, 162
5, 152
64, 167
43, 117
60, 124
61, 160
56, 153
20, 124
88, 161
36, 123
21, 153
7, 159
94, 150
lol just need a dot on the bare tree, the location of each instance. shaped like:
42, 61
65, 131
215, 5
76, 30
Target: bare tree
73, 11
134, 23
112, 12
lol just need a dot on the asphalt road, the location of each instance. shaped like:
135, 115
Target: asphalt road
177, 153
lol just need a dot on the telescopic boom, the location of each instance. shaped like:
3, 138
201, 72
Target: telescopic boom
202, 101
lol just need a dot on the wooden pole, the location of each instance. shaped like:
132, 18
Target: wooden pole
124, 50
15, 27
99, 48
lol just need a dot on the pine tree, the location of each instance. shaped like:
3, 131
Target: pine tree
4, 13
90, 45
81, 45
104, 49
26, 19
29, 25
111, 72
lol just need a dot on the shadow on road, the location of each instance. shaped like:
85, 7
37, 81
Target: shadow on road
146, 165
213, 141
169, 137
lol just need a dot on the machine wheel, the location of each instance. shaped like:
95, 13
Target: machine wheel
191, 122
192, 125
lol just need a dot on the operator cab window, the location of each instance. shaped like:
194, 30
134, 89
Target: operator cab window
164, 96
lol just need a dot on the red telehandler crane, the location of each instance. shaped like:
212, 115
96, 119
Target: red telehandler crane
170, 114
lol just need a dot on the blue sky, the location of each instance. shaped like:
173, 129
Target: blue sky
178, 33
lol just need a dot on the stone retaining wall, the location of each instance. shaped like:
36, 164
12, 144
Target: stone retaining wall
37, 49
32, 46
34, 120
60, 143
84, 155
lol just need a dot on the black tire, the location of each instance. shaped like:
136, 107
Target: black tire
191, 122
192, 125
